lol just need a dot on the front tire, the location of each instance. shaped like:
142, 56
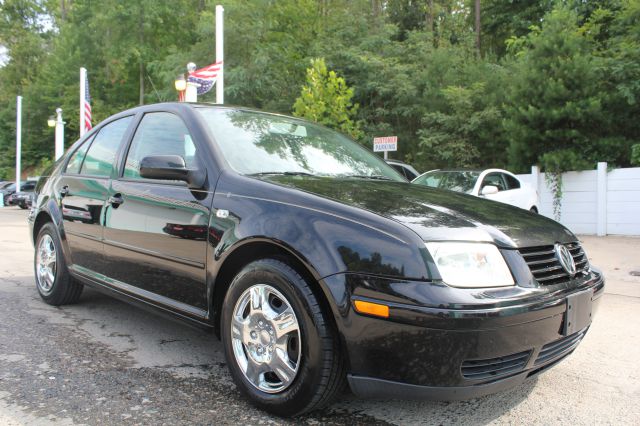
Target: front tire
55, 285
281, 347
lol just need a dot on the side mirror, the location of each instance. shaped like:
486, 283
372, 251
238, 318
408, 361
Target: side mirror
489, 190
171, 167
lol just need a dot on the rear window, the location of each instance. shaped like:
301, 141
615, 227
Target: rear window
512, 182
399, 169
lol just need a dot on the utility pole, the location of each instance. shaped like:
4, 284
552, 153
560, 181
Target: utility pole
18, 140
59, 134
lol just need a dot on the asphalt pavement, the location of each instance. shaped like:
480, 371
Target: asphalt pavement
103, 361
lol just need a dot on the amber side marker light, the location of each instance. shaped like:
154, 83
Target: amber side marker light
372, 308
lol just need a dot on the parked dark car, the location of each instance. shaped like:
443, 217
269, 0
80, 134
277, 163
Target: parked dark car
10, 189
21, 199
404, 169
321, 265
6, 189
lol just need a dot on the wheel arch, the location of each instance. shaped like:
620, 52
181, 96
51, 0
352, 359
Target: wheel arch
49, 212
250, 250
41, 219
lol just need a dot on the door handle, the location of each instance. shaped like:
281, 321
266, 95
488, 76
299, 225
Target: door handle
64, 191
115, 200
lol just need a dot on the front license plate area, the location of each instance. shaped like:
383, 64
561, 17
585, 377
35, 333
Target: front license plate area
578, 313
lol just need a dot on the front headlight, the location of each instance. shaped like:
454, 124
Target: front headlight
470, 265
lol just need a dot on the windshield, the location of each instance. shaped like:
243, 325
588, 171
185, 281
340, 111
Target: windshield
256, 143
5, 185
462, 181
10, 187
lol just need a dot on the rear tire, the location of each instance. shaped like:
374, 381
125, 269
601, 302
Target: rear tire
53, 281
315, 375
534, 209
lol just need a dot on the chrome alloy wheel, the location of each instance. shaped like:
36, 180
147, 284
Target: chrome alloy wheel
46, 264
265, 335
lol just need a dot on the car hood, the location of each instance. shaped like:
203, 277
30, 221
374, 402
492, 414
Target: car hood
437, 215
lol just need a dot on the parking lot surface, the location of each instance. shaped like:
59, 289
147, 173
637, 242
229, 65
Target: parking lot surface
103, 361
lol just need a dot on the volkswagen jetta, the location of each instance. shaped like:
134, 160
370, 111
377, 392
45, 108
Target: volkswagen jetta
314, 261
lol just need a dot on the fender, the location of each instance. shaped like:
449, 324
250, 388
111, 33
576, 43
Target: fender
330, 236
51, 207
326, 243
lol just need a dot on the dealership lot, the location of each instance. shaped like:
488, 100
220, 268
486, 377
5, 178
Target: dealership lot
103, 361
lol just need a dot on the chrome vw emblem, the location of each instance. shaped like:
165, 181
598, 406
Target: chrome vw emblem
566, 259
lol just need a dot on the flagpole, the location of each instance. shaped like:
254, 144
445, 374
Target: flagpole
83, 85
18, 140
220, 54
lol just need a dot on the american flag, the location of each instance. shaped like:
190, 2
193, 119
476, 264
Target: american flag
87, 106
205, 77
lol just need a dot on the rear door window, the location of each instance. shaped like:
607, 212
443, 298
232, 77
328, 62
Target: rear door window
496, 180
75, 162
100, 158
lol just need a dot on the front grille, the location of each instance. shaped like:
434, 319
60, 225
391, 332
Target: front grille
559, 349
493, 368
545, 266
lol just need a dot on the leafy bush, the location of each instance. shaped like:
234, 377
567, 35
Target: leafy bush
326, 99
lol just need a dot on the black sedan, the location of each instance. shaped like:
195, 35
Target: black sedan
314, 261
8, 192
21, 199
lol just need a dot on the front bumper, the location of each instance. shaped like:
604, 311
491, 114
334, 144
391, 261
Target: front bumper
448, 353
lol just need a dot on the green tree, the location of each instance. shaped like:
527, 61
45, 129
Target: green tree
615, 35
466, 134
326, 99
502, 20
26, 38
554, 112
568, 91
269, 45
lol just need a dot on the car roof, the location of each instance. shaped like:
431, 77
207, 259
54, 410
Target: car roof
472, 170
455, 170
396, 162
173, 106
194, 105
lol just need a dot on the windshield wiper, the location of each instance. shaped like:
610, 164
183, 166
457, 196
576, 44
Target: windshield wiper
376, 177
282, 173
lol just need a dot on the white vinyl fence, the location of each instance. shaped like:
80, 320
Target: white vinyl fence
597, 202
